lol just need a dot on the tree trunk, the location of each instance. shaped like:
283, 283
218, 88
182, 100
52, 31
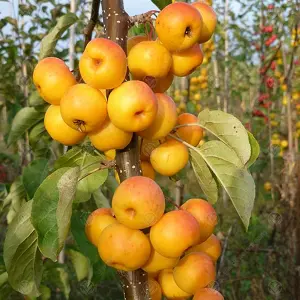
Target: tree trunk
116, 22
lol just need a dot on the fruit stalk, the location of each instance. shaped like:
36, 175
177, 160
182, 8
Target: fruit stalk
116, 24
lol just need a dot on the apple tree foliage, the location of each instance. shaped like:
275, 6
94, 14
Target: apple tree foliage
47, 205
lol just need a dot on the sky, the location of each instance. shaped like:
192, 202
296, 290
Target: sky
133, 7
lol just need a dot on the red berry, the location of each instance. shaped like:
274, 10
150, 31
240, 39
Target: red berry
273, 65
271, 40
270, 82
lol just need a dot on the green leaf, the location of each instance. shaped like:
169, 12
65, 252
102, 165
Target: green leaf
102, 272
87, 162
78, 231
22, 257
35, 99
36, 133
161, 3
17, 191
81, 264
255, 150
191, 107
92, 182
24, 120
228, 129
72, 158
45, 292
64, 280
49, 41
57, 276
52, 210
205, 177
34, 174
100, 199
14, 208
3, 278
228, 169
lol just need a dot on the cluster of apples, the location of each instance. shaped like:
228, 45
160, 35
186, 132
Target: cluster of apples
208, 49
109, 108
179, 252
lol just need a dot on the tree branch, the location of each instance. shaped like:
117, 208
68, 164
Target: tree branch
142, 18
88, 30
116, 23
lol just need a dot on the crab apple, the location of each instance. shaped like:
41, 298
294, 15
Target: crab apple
208, 294
158, 262
205, 214
270, 82
146, 147
142, 58
179, 26
132, 106
83, 108
169, 287
185, 62
211, 247
165, 119
97, 221
131, 42
163, 84
108, 137
138, 202
169, 157
154, 289
110, 154
267, 186
103, 64
175, 232
123, 248
147, 170
190, 134
52, 78
59, 130
209, 19
198, 268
